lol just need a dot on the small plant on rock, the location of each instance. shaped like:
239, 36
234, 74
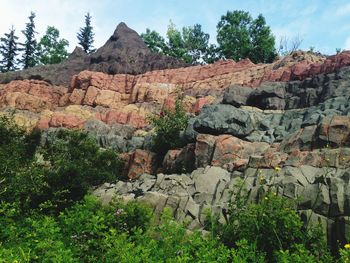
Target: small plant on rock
168, 126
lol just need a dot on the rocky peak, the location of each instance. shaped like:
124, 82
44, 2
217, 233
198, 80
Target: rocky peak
124, 40
124, 52
77, 53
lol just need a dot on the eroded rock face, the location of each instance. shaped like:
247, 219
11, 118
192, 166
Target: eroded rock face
124, 52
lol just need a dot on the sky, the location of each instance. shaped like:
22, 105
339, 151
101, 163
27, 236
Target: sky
321, 24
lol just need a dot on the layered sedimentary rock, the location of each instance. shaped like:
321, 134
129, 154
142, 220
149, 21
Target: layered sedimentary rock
287, 122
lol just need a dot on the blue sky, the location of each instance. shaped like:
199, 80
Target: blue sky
323, 24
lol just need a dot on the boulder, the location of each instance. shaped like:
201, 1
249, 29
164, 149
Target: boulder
237, 95
226, 119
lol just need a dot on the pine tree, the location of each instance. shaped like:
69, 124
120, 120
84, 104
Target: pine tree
8, 51
86, 36
29, 57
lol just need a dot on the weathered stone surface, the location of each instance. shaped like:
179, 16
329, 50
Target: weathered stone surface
205, 145
124, 52
323, 195
237, 95
226, 119
141, 161
180, 160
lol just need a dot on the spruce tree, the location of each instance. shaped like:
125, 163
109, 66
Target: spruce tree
9, 51
29, 57
86, 36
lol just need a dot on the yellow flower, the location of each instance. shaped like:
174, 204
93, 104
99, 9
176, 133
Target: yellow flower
274, 194
347, 246
277, 168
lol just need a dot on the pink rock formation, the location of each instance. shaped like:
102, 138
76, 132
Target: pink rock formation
129, 99
139, 162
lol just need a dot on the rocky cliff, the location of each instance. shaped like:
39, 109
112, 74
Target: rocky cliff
124, 52
284, 126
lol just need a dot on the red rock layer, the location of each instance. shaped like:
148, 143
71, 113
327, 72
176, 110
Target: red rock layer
128, 99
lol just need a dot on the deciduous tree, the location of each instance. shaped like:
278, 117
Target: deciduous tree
52, 50
240, 36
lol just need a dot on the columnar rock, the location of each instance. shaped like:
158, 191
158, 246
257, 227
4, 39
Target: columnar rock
322, 195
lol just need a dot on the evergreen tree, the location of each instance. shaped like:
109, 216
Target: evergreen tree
9, 51
86, 36
52, 50
29, 57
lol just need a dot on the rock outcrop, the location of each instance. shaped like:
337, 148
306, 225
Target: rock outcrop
124, 52
283, 126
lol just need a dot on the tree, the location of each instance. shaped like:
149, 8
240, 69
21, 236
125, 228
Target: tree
52, 50
191, 44
154, 41
29, 57
196, 43
175, 43
86, 36
9, 51
240, 36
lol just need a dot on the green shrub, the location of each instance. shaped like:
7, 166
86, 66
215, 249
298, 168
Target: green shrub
345, 254
299, 255
87, 224
35, 238
246, 252
168, 242
53, 176
272, 224
76, 163
168, 127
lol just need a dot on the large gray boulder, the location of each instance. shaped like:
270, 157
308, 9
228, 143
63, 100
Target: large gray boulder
226, 119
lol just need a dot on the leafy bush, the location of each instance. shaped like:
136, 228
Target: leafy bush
345, 254
299, 255
90, 232
36, 238
171, 241
53, 176
168, 127
76, 163
272, 224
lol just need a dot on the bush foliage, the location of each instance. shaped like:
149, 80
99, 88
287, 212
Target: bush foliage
53, 176
168, 127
